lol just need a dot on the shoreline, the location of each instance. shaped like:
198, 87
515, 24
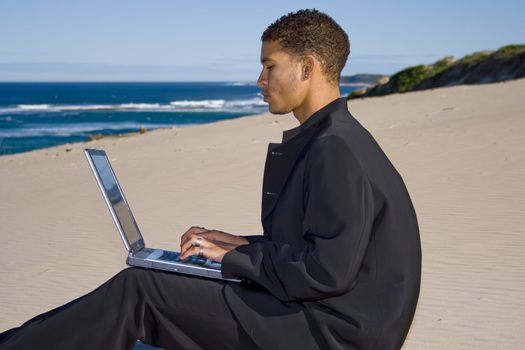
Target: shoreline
458, 149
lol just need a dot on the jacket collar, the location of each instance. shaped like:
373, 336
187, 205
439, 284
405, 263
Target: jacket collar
282, 157
340, 103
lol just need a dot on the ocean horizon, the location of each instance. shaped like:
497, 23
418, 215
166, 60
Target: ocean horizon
36, 115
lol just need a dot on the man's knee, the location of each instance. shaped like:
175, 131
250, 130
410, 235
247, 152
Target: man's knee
132, 274
129, 279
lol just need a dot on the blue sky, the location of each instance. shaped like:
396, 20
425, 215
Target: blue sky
168, 40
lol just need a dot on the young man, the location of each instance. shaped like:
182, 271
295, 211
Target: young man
338, 265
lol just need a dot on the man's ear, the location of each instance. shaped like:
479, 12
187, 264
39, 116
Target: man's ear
308, 64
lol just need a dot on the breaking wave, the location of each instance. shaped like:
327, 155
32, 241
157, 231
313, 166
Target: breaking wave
254, 105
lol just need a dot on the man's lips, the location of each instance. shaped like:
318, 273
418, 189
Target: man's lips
265, 97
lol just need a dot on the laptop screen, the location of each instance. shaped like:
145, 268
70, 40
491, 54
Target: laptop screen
116, 198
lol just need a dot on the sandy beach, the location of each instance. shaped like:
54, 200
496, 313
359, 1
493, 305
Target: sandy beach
460, 151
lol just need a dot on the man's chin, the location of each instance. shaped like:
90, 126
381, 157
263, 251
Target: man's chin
277, 110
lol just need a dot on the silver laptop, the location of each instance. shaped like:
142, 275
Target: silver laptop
138, 254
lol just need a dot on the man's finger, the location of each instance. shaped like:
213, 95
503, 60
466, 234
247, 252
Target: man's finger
210, 235
187, 249
192, 241
191, 231
198, 251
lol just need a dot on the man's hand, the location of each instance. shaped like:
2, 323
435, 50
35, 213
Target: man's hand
211, 244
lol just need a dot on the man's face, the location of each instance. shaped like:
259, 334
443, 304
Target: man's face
280, 79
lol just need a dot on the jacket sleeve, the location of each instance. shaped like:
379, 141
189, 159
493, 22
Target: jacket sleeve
339, 208
256, 238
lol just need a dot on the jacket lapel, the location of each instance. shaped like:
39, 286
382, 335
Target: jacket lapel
280, 161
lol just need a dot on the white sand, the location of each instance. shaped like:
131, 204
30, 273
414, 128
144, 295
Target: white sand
460, 151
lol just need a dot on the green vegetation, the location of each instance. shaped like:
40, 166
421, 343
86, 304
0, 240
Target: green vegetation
475, 57
479, 67
406, 79
442, 64
511, 49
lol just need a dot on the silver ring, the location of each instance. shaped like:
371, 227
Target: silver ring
201, 249
198, 242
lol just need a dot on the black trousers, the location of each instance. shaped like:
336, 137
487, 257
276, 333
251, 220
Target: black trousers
159, 308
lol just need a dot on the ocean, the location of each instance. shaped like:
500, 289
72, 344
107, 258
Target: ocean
40, 115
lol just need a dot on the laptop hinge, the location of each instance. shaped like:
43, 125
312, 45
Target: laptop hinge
137, 246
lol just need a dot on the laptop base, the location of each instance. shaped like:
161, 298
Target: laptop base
150, 258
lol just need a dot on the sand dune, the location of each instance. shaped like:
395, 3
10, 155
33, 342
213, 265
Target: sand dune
460, 151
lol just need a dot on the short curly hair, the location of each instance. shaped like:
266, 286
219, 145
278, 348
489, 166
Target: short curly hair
312, 32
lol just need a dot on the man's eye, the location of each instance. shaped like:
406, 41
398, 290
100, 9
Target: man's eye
269, 67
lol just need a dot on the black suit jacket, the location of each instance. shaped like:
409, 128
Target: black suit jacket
339, 264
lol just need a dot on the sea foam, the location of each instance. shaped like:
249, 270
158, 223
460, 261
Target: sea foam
253, 105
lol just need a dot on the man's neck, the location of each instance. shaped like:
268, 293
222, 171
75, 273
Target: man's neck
315, 101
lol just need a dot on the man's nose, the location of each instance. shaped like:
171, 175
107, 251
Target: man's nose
261, 81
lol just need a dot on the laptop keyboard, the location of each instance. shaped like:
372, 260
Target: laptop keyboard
192, 260
171, 256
